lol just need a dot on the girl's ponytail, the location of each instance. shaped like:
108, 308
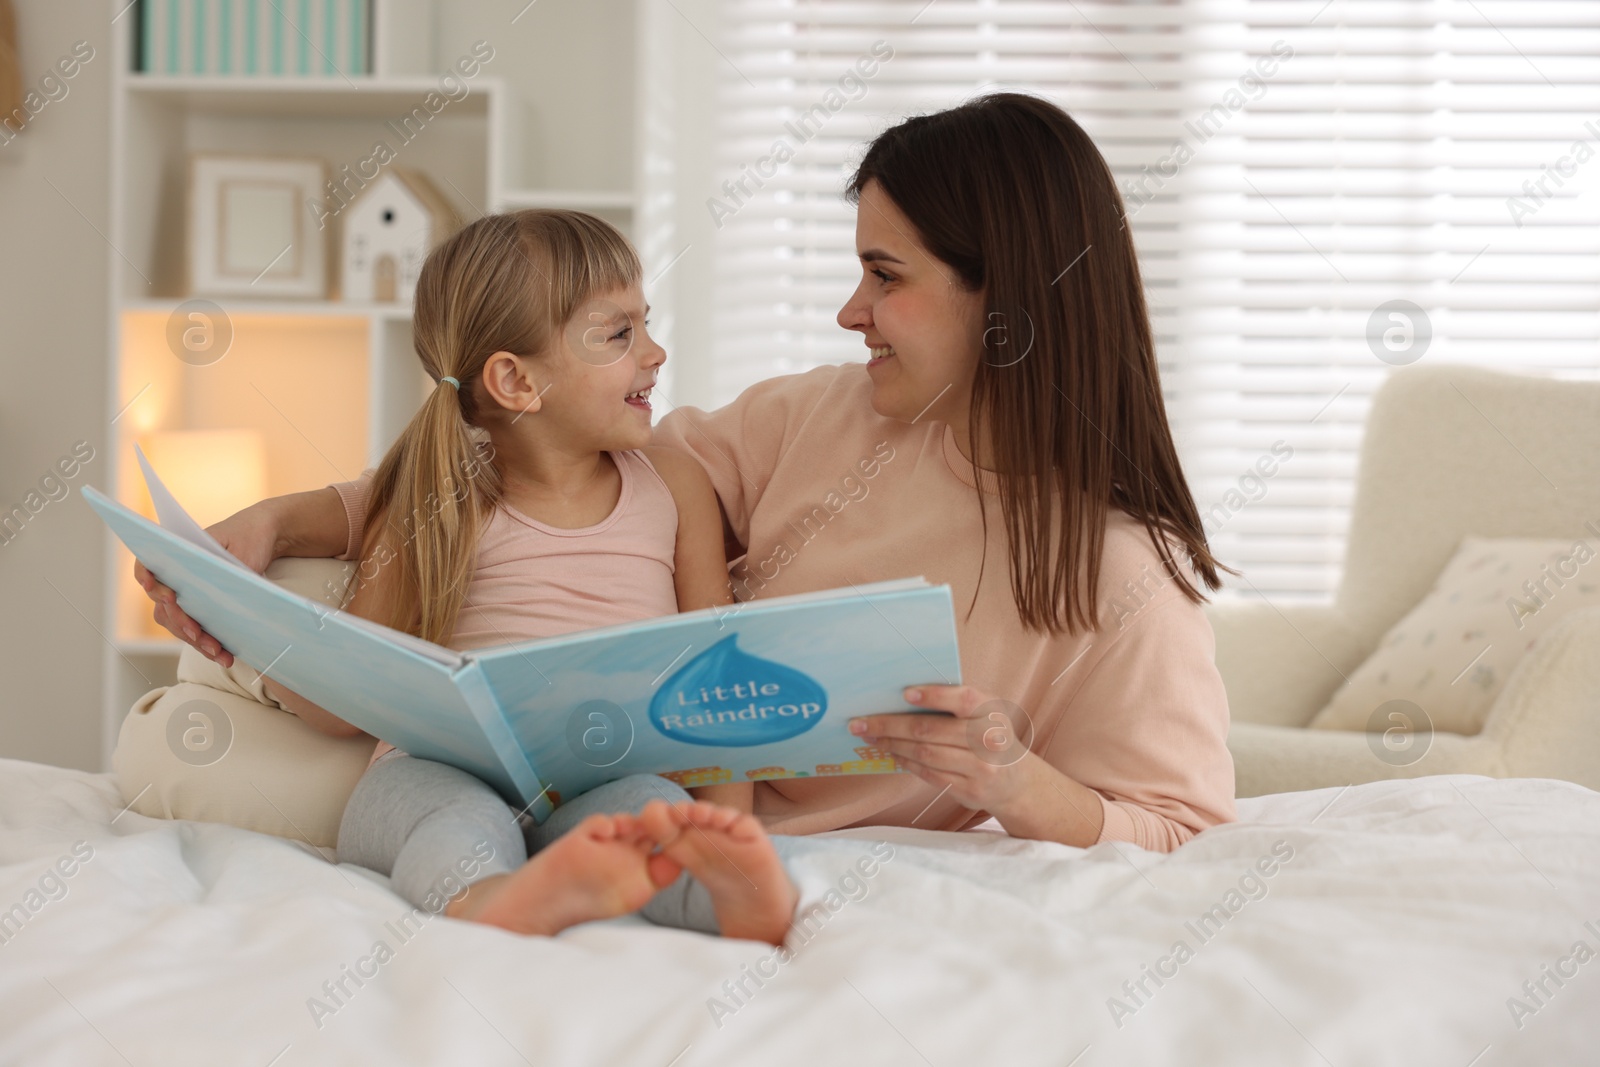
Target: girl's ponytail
435, 489
504, 283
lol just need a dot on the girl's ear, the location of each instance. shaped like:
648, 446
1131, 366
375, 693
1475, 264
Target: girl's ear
508, 379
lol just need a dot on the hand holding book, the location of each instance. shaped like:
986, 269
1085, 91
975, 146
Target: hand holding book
310, 524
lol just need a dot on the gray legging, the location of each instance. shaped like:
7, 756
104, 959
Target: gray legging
416, 821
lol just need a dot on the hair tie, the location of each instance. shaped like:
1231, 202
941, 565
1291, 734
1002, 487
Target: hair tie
452, 381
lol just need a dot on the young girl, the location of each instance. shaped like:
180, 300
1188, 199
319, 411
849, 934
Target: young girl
524, 500
1007, 436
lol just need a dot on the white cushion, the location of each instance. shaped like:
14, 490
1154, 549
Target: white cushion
1451, 655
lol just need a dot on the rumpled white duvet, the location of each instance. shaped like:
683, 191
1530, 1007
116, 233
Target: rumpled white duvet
1443, 921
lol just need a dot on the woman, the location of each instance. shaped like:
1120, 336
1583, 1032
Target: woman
1007, 436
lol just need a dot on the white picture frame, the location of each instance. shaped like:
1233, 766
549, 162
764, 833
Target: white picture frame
250, 233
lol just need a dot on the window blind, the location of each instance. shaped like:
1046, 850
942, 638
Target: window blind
1319, 192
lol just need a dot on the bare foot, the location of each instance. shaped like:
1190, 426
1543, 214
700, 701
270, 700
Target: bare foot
604, 867
732, 856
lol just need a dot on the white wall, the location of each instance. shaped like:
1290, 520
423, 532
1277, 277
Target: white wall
674, 232
53, 275
571, 63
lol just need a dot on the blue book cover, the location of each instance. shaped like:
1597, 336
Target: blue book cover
757, 690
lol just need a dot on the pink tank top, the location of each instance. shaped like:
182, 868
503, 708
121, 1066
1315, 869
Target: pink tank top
533, 580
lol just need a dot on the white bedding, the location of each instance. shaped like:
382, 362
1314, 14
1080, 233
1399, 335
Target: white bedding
1408, 916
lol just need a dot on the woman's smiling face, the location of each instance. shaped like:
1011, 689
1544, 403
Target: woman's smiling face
920, 323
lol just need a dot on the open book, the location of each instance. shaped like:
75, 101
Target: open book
761, 689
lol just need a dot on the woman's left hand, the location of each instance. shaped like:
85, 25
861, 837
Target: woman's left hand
979, 752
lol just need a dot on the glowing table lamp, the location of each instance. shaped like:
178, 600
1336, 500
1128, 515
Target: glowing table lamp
213, 473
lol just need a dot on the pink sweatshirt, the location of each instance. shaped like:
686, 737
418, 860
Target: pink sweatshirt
822, 492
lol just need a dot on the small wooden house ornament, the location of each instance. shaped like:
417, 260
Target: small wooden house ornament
388, 231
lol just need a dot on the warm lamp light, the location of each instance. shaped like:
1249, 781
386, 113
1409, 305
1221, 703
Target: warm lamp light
213, 473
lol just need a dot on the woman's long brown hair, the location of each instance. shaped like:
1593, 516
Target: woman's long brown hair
1011, 193
505, 283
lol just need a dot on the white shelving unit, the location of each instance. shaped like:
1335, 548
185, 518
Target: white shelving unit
329, 384
600, 200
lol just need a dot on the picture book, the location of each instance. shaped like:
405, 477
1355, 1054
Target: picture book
756, 690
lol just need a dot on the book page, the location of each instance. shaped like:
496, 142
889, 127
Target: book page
388, 683
173, 518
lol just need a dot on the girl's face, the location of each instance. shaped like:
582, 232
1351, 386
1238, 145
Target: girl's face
591, 388
922, 327
605, 368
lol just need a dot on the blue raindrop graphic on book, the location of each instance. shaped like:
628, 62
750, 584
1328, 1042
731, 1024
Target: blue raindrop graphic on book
724, 696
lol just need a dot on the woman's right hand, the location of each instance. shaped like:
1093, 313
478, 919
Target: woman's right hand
252, 536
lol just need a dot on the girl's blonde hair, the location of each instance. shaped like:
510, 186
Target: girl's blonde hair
504, 283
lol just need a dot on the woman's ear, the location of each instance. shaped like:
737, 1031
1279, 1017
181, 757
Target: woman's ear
509, 381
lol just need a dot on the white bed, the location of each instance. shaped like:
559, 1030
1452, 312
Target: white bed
1407, 917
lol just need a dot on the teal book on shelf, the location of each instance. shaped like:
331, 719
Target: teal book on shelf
759, 690
256, 38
